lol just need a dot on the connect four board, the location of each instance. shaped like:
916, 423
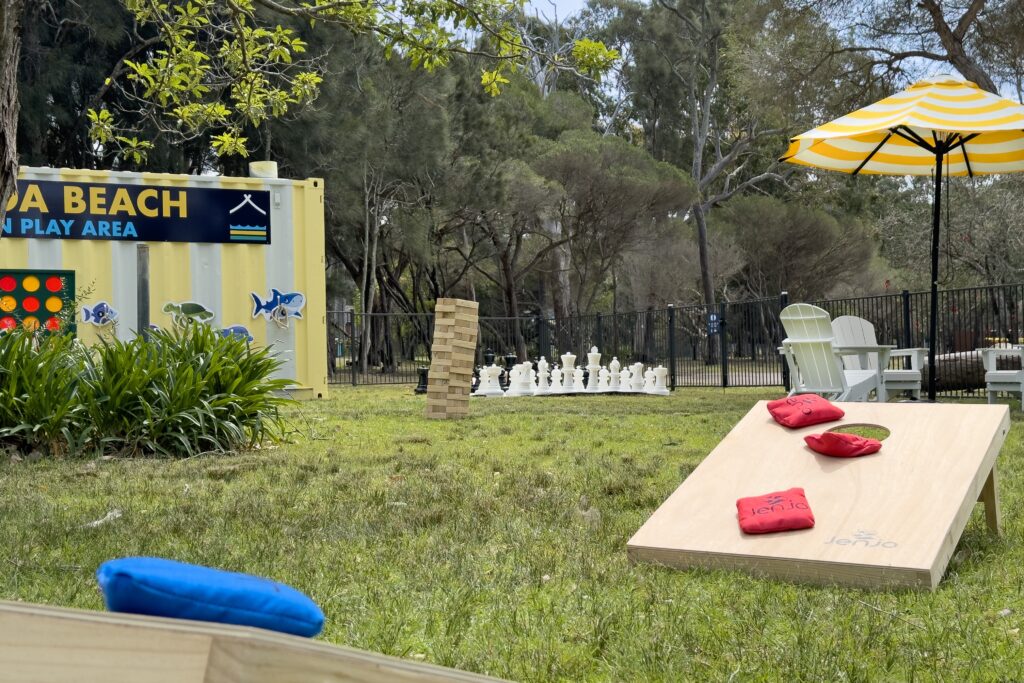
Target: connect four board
37, 299
889, 519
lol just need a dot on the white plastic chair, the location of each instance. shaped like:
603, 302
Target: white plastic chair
815, 361
851, 331
1002, 380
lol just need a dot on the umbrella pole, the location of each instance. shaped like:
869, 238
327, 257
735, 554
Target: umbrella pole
934, 322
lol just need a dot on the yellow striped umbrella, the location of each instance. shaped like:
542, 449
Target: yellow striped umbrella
938, 125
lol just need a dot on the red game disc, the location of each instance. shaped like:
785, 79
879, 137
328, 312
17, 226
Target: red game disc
8, 323
53, 324
30, 304
54, 283
8, 283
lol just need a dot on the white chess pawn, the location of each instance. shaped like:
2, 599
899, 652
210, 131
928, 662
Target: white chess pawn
602, 380
515, 387
556, 381
637, 373
577, 381
527, 378
648, 387
624, 378
614, 369
660, 383
542, 378
568, 377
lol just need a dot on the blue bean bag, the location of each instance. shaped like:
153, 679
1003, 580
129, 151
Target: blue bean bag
165, 588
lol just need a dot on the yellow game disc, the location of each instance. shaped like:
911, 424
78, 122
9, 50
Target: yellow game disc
30, 283
8, 304
54, 304
31, 323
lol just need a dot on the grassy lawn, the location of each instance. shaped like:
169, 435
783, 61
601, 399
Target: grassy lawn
497, 544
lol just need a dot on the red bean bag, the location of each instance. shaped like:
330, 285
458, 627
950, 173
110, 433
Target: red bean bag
803, 410
841, 445
779, 511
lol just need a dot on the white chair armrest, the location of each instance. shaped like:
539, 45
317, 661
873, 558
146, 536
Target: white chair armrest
990, 355
917, 356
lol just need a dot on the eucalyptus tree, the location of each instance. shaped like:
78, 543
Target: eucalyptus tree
714, 88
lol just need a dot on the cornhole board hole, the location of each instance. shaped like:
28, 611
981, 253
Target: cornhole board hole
889, 519
57, 645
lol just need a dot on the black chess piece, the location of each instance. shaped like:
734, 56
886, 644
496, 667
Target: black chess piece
489, 357
421, 388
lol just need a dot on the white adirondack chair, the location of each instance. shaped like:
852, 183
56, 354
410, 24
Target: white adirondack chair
1002, 380
851, 331
815, 361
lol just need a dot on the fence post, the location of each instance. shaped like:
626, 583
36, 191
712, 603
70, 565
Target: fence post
352, 344
671, 346
142, 285
600, 333
783, 302
907, 341
543, 338
723, 344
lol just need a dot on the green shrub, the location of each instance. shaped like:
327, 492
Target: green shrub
39, 407
177, 393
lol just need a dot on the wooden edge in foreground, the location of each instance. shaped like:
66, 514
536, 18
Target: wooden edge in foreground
58, 645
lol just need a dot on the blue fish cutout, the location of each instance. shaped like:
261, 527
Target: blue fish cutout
279, 306
236, 331
100, 314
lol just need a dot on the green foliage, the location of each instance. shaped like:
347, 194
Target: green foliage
39, 404
593, 57
223, 67
179, 393
807, 251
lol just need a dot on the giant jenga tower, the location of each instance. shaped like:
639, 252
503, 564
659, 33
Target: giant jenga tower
451, 363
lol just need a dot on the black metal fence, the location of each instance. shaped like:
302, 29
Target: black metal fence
731, 344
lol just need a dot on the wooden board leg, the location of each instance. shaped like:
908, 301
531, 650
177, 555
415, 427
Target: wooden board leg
990, 497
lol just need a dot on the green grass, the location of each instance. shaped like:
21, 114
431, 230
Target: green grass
467, 544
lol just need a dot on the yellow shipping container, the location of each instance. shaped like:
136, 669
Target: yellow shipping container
91, 222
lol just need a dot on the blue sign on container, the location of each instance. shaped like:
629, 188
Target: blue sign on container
46, 209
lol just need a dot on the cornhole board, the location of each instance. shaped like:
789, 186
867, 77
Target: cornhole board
889, 519
57, 645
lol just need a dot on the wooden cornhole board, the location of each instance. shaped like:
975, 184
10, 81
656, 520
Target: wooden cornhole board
889, 519
56, 645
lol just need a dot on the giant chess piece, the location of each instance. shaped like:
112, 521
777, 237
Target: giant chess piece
648, 387
660, 383
624, 379
614, 370
510, 362
594, 369
479, 381
577, 381
526, 379
489, 380
556, 381
637, 383
497, 373
542, 378
515, 386
602, 380
568, 373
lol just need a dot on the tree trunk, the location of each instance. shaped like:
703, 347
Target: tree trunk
707, 283
10, 47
